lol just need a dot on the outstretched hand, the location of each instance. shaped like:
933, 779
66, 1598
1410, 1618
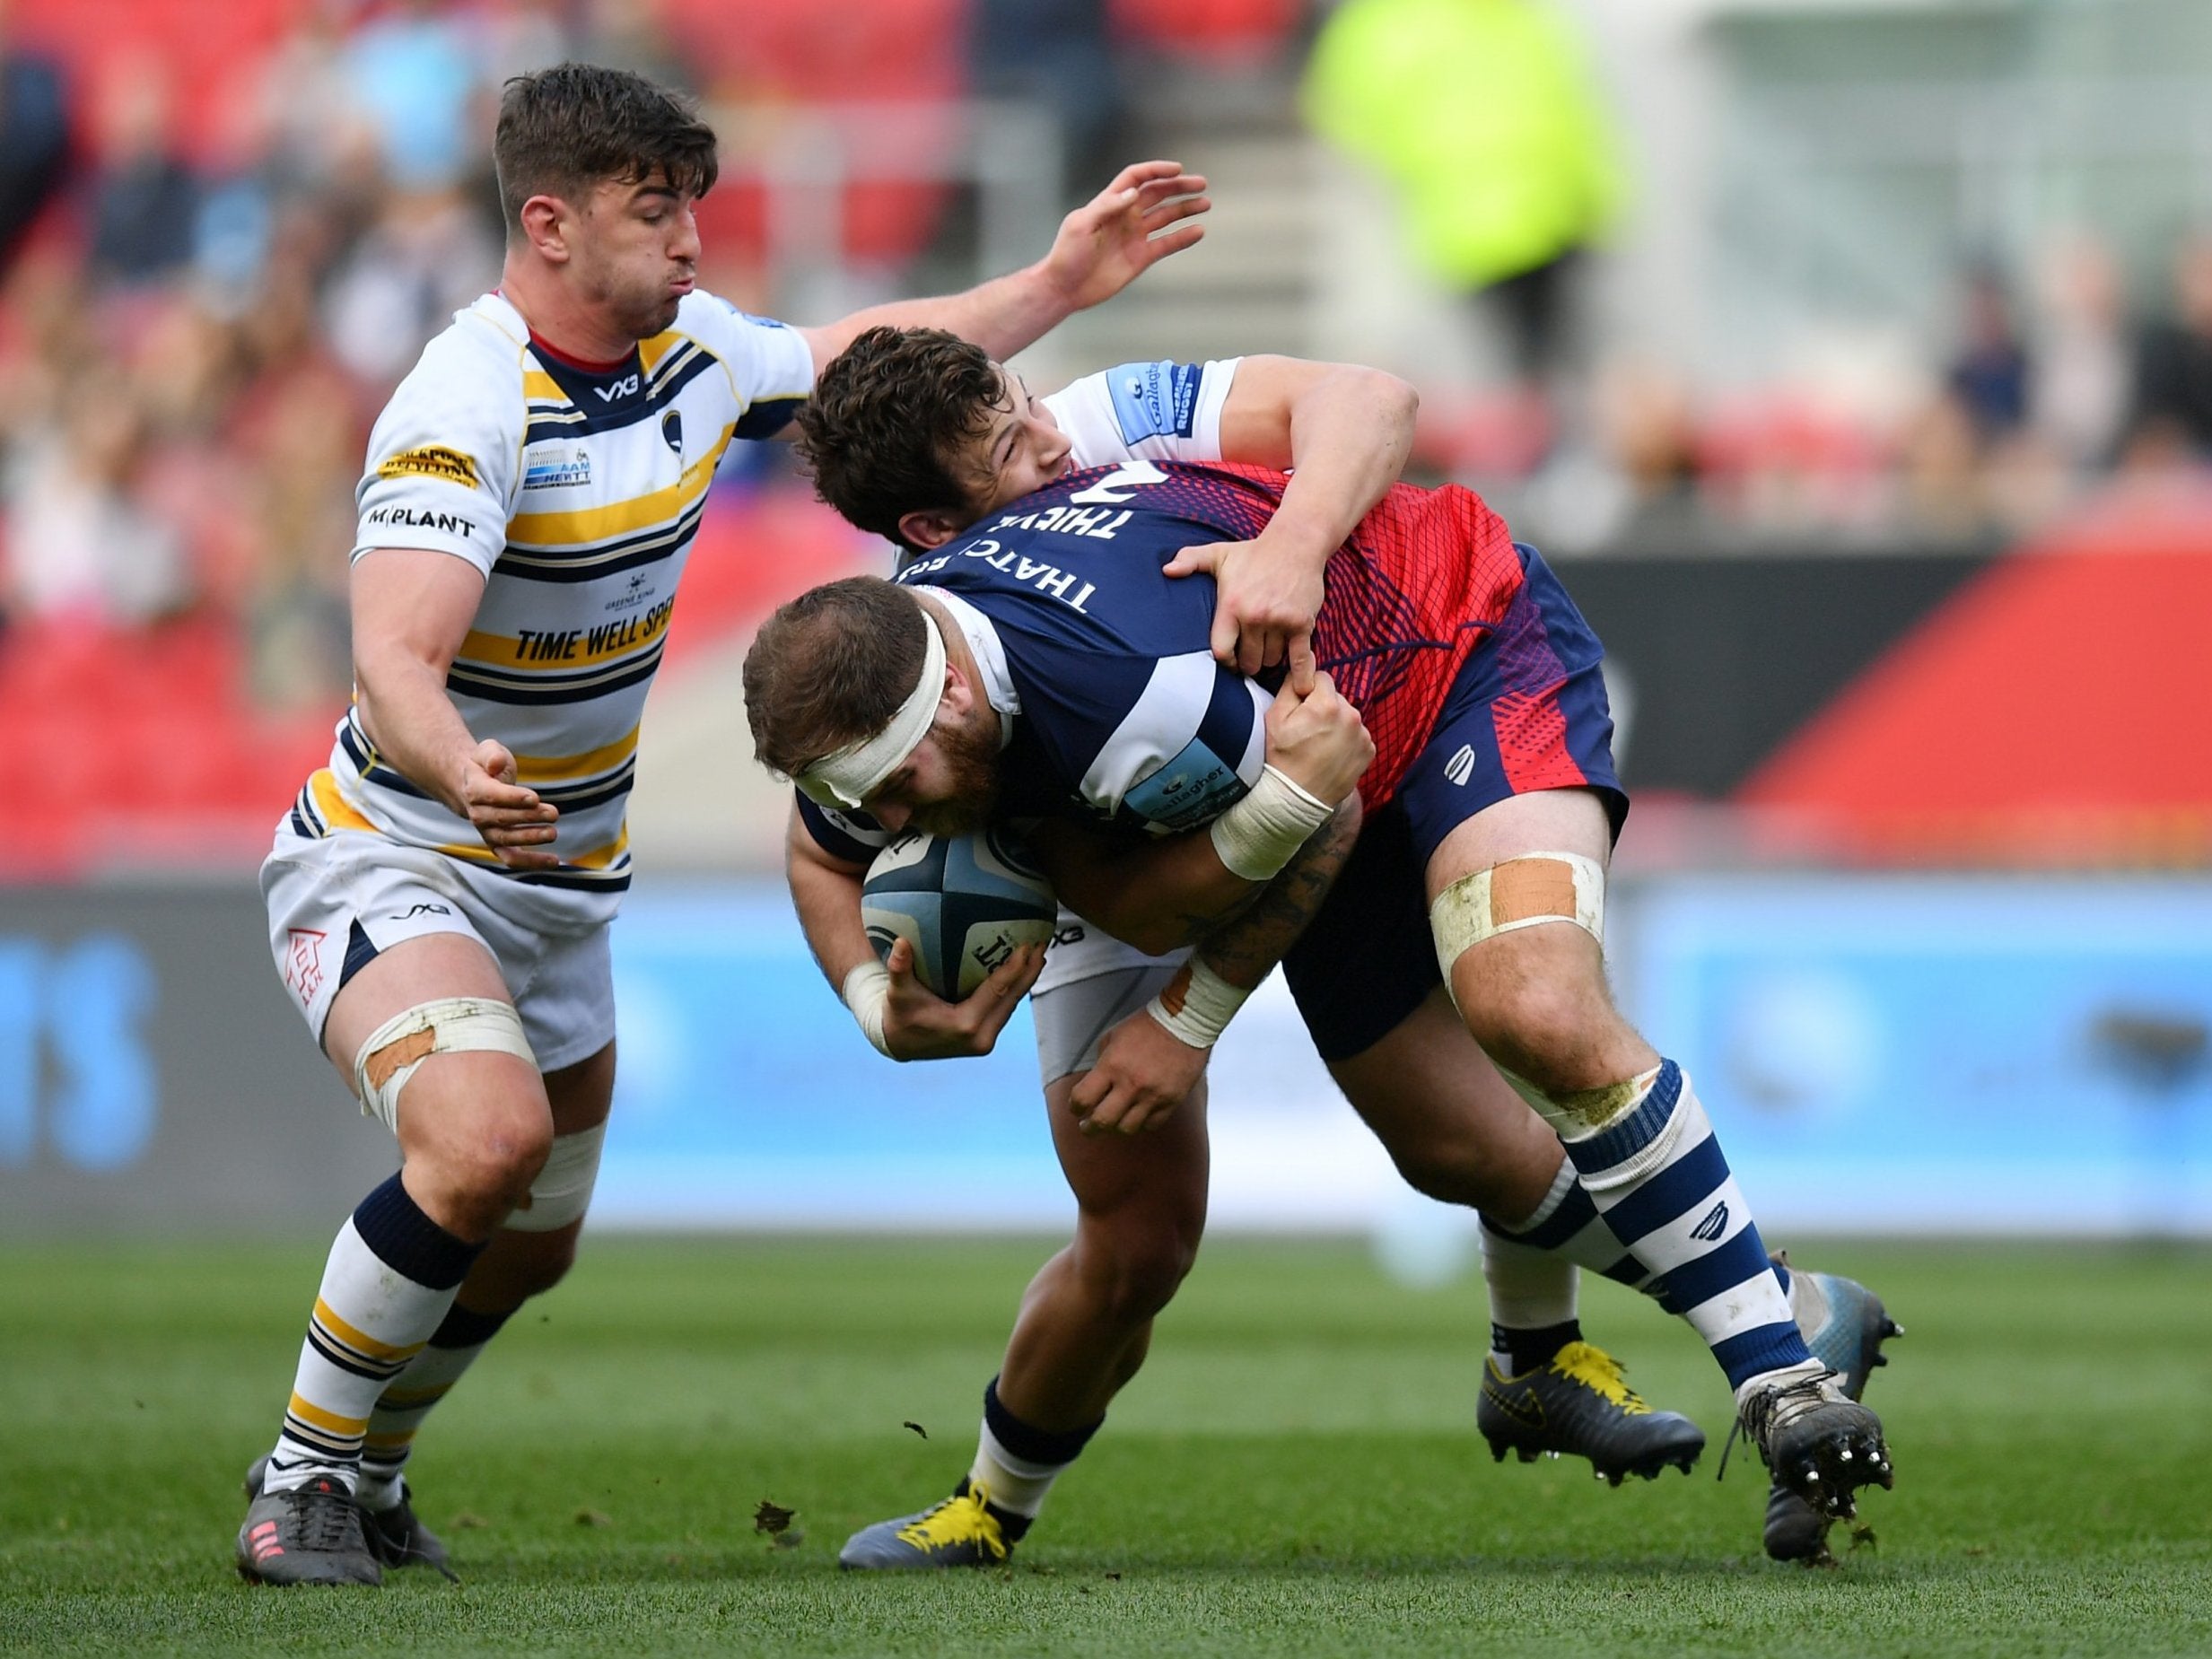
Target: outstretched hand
1109, 241
920, 1025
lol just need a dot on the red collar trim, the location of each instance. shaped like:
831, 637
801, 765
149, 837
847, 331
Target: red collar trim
540, 343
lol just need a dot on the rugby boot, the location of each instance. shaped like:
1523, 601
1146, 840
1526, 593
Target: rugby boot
396, 1537
1845, 1324
1579, 1402
963, 1531
310, 1535
1816, 1440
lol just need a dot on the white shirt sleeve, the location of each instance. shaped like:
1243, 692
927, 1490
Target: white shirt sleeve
1160, 411
770, 365
442, 471
1191, 748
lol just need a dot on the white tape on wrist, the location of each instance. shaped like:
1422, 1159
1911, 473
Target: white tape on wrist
1197, 1004
1257, 837
868, 993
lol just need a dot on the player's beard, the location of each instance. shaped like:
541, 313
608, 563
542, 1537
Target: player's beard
971, 758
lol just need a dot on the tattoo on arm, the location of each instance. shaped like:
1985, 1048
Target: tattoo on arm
1242, 948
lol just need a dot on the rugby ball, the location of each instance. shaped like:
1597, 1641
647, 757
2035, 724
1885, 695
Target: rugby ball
963, 903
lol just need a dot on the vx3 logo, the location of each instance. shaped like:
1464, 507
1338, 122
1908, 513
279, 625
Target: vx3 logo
625, 386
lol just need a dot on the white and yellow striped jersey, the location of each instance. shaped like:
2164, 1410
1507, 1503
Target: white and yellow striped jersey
576, 489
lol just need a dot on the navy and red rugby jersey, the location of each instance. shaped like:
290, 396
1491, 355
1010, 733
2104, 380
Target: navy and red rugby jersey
1121, 715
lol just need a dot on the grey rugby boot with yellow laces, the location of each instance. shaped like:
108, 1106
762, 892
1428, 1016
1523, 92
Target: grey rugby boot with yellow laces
963, 1531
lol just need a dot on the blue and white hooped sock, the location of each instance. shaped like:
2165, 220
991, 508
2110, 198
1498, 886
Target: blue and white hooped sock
1658, 1181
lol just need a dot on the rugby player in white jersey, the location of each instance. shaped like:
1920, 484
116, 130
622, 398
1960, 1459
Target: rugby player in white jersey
916, 435
439, 894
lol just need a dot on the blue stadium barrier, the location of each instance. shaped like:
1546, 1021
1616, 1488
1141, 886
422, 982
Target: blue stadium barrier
1880, 1054
2023, 1054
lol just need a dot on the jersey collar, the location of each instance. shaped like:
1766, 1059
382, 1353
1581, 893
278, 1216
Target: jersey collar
982, 644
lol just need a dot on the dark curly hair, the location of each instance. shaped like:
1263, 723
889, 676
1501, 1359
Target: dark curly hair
565, 129
886, 419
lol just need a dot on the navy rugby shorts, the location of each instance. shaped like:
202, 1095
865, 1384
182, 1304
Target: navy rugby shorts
1526, 712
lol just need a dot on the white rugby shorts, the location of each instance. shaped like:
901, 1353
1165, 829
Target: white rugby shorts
1091, 982
319, 890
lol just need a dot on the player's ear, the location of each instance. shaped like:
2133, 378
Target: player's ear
960, 693
929, 530
545, 227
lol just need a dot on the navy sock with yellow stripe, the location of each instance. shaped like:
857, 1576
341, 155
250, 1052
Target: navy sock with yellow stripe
403, 1405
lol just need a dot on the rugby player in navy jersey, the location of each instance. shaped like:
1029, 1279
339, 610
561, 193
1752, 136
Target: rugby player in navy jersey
439, 894
967, 457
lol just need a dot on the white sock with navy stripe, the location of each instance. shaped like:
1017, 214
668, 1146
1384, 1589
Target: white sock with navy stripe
1659, 1183
391, 1275
1533, 1286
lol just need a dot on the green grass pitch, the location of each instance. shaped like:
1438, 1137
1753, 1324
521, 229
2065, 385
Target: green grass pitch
1296, 1471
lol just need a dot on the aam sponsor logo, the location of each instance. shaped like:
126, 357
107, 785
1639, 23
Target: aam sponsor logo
431, 461
1154, 399
557, 466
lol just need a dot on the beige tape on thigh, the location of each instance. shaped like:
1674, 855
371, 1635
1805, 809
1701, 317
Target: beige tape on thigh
450, 1025
562, 1190
1524, 892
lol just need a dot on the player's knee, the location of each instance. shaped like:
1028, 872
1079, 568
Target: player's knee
1144, 1284
1136, 1270
1542, 1029
496, 1162
1519, 946
561, 1190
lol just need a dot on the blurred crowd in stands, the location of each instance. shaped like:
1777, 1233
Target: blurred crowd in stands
199, 325
2057, 388
219, 259
226, 233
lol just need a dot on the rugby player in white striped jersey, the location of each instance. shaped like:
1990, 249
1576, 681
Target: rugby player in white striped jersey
439, 894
